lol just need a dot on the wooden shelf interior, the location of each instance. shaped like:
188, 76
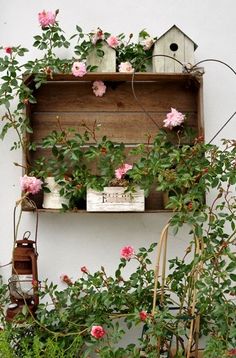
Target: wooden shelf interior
120, 115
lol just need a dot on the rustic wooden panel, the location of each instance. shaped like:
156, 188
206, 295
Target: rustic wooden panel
154, 201
174, 36
122, 118
118, 77
127, 127
200, 115
189, 50
72, 97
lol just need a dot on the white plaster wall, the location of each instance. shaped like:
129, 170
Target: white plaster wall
68, 241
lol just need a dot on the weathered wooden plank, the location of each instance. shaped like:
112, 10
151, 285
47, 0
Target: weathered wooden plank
154, 201
188, 51
117, 76
71, 97
200, 114
158, 61
131, 127
175, 36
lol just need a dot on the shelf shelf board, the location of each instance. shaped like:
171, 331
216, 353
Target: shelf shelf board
118, 76
57, 211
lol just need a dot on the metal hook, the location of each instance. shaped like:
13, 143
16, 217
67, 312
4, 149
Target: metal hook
26, 235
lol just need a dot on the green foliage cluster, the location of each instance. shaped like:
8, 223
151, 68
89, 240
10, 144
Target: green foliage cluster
52, 38
204, 278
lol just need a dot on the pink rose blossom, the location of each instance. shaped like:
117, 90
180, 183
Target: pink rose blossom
120, 172
98, 35
46, 18
147, 43
127, 252
8, 50
143, 315
99, 88
84, 269
113, 41
79, 69
97, 332
30, 185
66, 279
173, 119
126, 67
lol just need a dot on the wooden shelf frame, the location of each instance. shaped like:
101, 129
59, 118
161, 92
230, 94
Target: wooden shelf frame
121, 116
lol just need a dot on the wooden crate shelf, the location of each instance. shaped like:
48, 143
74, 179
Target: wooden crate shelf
121, 116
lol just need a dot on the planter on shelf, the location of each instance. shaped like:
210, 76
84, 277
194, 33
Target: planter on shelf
106, 63
53, 200
115, 199
32, 201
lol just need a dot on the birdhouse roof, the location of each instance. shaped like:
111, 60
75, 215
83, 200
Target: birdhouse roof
174, 26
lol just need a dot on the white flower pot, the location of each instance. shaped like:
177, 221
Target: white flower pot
53, 200
115, 199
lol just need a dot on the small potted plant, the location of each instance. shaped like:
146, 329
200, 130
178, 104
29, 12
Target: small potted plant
112, 187
63, 170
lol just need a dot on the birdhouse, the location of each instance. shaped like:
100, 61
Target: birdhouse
174, 43
106, 63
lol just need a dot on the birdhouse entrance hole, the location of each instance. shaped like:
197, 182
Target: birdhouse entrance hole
174, 47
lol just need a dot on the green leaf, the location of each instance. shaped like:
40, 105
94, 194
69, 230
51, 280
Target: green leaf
54, 151
4, 130
100, 53
7, 104
232, 256
29, 130
233, 276
24, 310
37, 38
198, 231
6, 78
232, 225
46, 189
38, 84
175, 230
231, 267
78, 28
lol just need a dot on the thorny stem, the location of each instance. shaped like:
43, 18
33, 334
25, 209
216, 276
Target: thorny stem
60, 126
12, 121
91, 131
211, 210
228, 200
57, 334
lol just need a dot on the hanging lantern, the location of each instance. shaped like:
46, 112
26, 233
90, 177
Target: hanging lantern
23, 284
